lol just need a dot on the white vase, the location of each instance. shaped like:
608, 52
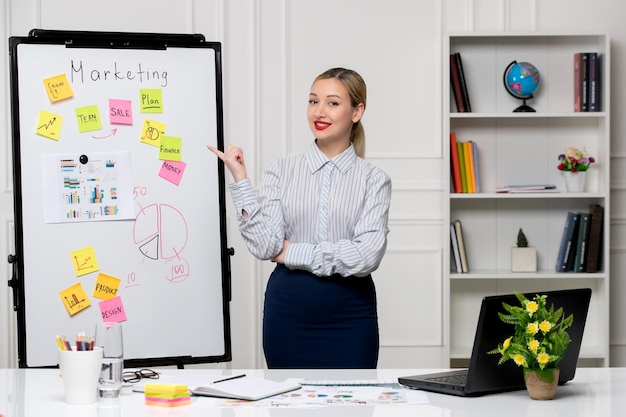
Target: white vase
574, 181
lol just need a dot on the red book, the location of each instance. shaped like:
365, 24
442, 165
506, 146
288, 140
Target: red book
454, 164
455, 82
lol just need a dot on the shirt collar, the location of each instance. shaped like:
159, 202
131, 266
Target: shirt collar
317, 159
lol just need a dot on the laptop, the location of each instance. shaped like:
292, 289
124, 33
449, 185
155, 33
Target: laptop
484, 375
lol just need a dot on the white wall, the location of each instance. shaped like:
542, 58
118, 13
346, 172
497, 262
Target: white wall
272, 50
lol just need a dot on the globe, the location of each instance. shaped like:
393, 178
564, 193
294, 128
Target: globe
521, 80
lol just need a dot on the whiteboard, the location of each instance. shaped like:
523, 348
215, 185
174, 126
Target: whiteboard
155, 224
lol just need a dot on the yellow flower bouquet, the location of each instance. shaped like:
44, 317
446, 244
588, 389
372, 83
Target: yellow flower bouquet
540, 338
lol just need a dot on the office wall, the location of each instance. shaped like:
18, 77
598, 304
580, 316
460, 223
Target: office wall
272, 50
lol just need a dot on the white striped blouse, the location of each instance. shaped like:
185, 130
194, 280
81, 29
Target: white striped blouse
333, 212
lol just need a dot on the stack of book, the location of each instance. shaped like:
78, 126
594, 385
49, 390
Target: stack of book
458, 247
581, 243
587, 78
459, 87
464, 166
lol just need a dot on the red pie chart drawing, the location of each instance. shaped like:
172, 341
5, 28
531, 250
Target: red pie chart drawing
160, 231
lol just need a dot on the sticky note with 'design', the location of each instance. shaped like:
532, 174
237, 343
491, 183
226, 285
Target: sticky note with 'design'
112, 310
74, 299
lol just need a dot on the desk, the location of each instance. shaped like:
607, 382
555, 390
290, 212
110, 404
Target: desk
593, 392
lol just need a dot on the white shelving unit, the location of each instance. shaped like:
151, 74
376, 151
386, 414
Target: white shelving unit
522, 148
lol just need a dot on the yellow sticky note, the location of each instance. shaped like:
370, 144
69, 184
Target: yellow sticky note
49, 125
84, 261
151, 100
106, 287
74, 299
58, 88
151, 132
170, 148
88, 118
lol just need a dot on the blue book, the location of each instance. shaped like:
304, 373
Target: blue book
565, 259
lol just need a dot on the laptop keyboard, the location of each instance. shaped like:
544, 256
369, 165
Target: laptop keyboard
450, 379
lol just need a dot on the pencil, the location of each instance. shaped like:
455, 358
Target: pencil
60, 343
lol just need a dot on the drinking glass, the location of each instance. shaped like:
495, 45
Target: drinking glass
109, 337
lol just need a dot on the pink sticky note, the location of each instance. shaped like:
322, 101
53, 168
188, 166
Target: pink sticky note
112, 310
120, 112
172, 171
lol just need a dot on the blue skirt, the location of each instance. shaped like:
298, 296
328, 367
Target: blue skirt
319, 322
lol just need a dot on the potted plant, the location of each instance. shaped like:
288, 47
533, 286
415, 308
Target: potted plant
523, 257
574, 163
538, 343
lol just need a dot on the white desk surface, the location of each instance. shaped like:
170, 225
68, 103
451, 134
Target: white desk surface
593, 392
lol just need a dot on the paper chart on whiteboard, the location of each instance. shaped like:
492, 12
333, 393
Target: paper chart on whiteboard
81, 188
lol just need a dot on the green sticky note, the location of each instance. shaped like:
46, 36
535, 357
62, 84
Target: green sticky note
88, 118
151, 100
170, 148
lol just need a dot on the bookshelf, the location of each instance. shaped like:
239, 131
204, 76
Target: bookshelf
522, 148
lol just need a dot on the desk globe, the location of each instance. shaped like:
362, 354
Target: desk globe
521, 80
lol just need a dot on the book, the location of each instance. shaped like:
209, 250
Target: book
458, 228
594, 254
469, 176
240, 387
460, 151
584, 87
476, 170
466, 100
454, 164
455, 249
580, 260
577, 81
455, 83
564, 262
594, 82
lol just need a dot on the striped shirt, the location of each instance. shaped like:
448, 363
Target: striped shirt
333, 212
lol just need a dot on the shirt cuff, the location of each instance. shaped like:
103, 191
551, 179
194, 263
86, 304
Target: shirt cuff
243, 197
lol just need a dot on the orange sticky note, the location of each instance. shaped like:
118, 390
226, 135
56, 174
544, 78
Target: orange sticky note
58, 88
151, 132
106, 286
49, 125
84, 261
74, 299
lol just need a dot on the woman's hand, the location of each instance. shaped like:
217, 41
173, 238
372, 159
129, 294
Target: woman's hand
280, 258
233, 159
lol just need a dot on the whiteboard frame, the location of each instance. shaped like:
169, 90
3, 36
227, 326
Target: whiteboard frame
122, 41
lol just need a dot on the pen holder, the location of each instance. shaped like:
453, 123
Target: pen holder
80, 370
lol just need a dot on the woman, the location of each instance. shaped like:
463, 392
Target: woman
322, 217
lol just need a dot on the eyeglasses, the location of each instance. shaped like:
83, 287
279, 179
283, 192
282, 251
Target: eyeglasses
136, 376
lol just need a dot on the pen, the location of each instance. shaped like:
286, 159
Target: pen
229, 378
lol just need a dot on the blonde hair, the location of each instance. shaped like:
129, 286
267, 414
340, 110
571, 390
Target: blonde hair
358, 94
